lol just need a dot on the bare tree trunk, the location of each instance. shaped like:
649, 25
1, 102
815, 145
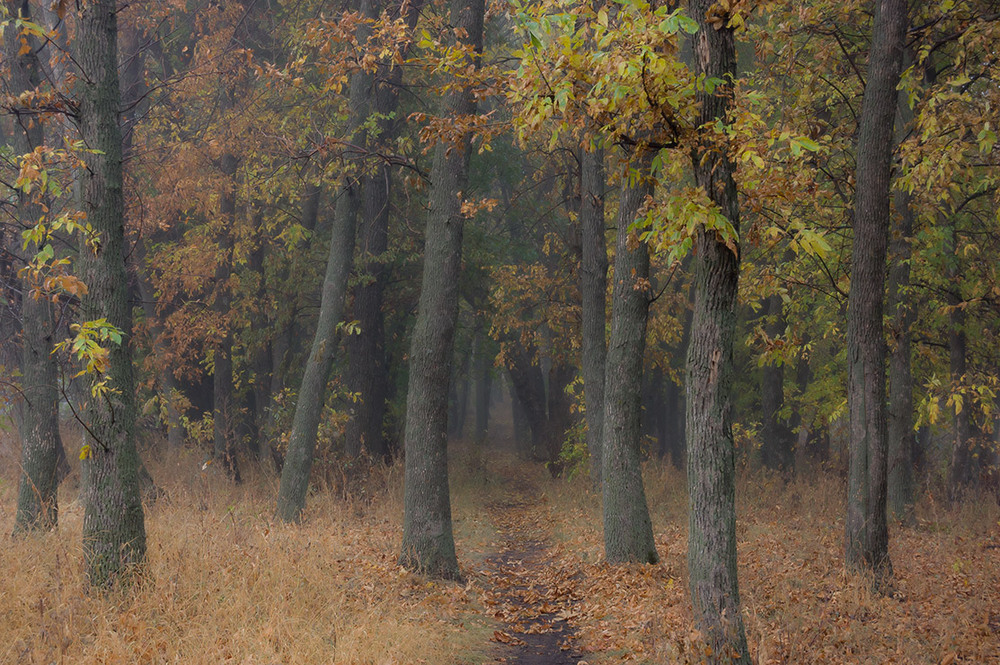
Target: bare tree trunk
867, 534
711, 453
428, 542
114, 535
628, 532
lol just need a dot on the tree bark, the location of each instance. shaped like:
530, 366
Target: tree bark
867, 535
711, 453
628, 532
114, 536
593, 297
312, 392
428, 542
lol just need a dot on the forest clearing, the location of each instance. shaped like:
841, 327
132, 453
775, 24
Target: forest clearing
226, 582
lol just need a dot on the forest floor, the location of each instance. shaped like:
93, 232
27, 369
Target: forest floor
226, 583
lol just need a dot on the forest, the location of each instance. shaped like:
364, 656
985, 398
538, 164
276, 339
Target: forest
547, 332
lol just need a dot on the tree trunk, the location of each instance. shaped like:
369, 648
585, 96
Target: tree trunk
224, 407
628, 532
715, 593
114, 535
484, 384
428, 542
593, 297
368, 370
38, 412
776, 437
963, 473
900, 413
867, 535
312, 392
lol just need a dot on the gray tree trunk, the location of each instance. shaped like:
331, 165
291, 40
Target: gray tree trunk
593, 297
711, 471
38, 412
114, 535
867, 534
428, 542
900, 491
312, 392
628, 532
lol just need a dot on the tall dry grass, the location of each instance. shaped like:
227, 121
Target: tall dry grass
226, 583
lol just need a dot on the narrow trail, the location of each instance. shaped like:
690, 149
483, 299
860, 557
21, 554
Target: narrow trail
530, 597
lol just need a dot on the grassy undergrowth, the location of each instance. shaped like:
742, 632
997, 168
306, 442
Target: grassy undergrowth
226, 583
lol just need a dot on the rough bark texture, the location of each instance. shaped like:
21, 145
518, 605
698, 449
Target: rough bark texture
776, 437
628, 532
38, 412
428, 542
711, 455
867, 535
312, 392
900, 415
593, 296
114, 535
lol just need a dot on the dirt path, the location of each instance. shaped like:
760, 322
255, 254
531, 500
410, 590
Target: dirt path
532, 598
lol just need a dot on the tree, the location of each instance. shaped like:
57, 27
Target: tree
593, 305
628, 532
38, 412
867, 535
114, 536
711, 456
428, 542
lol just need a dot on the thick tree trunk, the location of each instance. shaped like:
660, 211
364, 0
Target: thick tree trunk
900, 414
776, 437
628, 532
867, 535
38, 412
428, 542
593, 297
114, 536
715, 593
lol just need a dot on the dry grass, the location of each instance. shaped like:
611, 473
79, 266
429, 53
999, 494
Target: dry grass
227, 584
799, 606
